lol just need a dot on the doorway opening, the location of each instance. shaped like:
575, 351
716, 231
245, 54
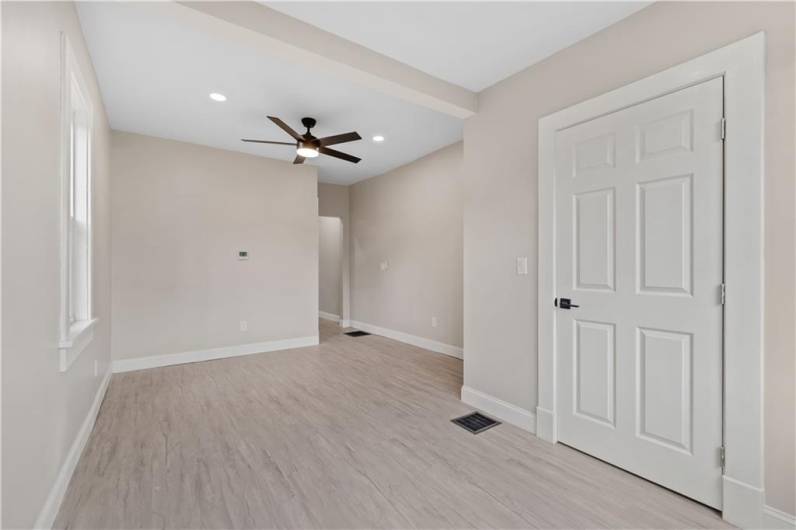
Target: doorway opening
330, 268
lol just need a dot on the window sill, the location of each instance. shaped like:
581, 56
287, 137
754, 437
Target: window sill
80, 335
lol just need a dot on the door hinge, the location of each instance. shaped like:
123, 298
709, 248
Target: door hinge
723, 457
723, 293
723, 128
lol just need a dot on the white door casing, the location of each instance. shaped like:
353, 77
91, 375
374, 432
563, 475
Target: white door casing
639, 249
742, 65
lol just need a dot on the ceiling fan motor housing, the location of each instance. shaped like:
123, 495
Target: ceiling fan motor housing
309, 123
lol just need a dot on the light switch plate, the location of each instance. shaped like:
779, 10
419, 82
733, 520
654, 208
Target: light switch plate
522, 265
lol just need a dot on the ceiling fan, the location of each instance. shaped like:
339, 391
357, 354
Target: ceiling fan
307, 146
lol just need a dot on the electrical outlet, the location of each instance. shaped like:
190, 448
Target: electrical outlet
244, 326
433, 322
384, 265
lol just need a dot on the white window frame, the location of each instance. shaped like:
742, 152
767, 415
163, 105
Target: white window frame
75, 331
742, 65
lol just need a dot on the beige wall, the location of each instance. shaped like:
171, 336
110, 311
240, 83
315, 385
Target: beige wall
333, 201
500, 217
410, 217
43, 408
330, 265
181, 212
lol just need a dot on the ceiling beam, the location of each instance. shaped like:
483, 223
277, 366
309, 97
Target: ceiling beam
289, 38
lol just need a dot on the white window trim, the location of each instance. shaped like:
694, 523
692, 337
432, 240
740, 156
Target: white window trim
73, 337
742, 64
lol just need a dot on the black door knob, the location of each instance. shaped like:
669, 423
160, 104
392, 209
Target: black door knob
564, 303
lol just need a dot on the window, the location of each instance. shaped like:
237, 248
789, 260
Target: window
77, 319
79, 242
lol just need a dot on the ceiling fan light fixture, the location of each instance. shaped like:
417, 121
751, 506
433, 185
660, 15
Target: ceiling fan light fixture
307, 151
308, 146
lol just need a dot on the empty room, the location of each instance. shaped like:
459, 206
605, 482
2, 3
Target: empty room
381, 264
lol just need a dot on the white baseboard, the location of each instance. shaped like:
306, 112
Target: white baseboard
169, 359
420, 342
345, 323
329, 316
545, 425
519, 417
742, 504
775, 519
51, 506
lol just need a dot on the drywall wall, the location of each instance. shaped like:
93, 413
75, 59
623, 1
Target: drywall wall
330, 265
333, 201
43, 409
181, 213
500, 187
410, 219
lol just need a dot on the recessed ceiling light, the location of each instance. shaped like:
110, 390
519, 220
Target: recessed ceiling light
215, 96
378, 138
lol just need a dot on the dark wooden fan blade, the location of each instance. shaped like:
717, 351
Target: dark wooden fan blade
338, 154
285, 127
299, 159
267, 142
339, 139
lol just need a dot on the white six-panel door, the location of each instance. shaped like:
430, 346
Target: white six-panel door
639, 250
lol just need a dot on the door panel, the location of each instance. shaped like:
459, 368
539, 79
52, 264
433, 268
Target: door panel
664, 388
664, 236
665, 136
593, 251
594, 153
639, 249
594, 371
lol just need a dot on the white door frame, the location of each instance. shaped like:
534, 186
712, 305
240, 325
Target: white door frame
742, 65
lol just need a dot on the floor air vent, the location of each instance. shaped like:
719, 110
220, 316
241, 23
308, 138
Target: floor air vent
357, 333
475, 422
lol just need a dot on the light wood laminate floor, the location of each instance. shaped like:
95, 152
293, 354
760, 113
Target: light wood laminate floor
354, 433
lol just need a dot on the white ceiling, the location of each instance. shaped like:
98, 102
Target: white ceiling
155, 73
156, 69
470, 44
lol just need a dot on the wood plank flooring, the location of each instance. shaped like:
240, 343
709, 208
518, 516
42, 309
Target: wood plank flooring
354, 433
